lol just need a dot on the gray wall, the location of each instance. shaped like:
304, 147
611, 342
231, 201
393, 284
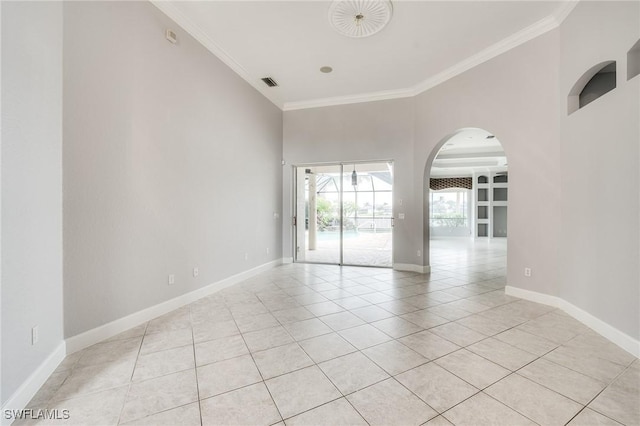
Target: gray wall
170, 161
513, 96
600, 155
31, 187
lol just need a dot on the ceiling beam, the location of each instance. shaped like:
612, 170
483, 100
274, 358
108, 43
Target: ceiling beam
458, 164
468, 155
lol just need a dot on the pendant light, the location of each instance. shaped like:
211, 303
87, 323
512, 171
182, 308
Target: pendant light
354, 177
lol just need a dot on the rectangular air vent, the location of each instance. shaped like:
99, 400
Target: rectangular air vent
269, 81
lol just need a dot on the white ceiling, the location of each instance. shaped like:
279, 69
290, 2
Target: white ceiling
469, 151
425, 43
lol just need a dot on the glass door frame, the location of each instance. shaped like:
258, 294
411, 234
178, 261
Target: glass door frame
301, 221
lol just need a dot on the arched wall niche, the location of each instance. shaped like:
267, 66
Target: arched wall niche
633, 61
595, 82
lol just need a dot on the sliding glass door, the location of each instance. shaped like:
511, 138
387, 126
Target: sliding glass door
367, 214
343, 214
318, 225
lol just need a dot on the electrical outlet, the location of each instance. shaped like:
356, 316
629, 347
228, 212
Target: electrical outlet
196, 271
419, 253
34, 335
401, 216
268, 250
527, 272
172, 279
246, 256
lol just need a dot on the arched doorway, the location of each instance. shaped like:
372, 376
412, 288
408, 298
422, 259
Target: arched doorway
466, 204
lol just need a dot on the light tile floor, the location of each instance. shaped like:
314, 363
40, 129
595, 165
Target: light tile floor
315, 345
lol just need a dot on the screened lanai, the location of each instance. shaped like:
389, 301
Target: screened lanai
348, 214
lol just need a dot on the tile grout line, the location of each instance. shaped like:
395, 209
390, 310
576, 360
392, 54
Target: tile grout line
462, 280
260, 372
126, 396
195, 367
333, 384
599, 393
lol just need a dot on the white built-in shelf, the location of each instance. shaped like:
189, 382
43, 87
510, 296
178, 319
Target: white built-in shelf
491, 197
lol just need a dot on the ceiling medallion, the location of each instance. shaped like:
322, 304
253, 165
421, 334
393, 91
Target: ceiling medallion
359, 18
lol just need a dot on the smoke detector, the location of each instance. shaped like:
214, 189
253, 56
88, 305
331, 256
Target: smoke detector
359, 18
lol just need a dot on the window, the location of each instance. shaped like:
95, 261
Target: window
448, 208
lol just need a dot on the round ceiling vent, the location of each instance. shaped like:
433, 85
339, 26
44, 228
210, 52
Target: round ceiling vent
359, 18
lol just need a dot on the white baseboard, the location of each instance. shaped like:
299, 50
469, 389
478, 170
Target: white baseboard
611, 333
34, 382
533, 296
412, 268
113, 328
30, 387
286, 260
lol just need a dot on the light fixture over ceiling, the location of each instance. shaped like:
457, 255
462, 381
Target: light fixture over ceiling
359, 18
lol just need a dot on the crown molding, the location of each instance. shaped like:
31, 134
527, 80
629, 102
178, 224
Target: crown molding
487, 54
504, 45
535, 30
168, 8
350, 99
564, 10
